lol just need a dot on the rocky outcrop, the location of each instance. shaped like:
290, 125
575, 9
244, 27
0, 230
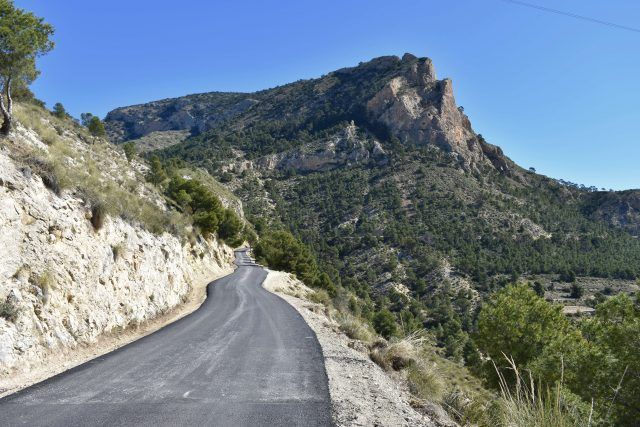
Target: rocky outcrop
343, 149
63, 284
417, 107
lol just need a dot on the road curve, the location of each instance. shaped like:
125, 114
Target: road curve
244, 358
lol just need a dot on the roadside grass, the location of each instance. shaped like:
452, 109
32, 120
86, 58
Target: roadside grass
355, 328
526, 403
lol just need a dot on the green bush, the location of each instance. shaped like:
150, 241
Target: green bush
96, 127
207, 211
129, 150
518, 323
207, 221
281, 251
156, 175
577, 291
384, 323
59, 111
230, 225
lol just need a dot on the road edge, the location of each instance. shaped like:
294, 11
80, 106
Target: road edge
111, 341
361, 393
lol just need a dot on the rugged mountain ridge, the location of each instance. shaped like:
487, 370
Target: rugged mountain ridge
389, 95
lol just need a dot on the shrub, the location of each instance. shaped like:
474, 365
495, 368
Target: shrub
207, 222
399, 353
517, 322
85, 119
577, 291
47, 172
8, 311
129, 150
98, 214
280, 250
230, 225
96, 127
611, 376
538, 289
384, 323
320, 296
354, 328
156, 175
568, 276
425, 382
525, 403
59, 111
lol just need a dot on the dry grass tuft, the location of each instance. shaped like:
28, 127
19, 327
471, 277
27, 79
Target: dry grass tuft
399, 353
98, 214
355, 328
425, 382
527, 404
320, 296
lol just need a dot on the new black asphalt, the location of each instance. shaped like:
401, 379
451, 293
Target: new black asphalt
244, 358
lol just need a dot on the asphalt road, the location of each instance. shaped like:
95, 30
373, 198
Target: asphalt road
244, 358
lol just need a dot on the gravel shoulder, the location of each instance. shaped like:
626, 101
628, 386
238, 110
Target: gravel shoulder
362, 394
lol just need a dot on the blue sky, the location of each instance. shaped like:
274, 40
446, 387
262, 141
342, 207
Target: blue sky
559, 94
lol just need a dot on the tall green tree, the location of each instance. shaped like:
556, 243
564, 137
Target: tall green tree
96, 127
156, 175
615, 378
280, 250
23, 38
59, 111
519, 324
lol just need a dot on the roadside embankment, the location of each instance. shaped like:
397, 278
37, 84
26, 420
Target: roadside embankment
362, 394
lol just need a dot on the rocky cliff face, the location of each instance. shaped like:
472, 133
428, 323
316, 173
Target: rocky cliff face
63, 284
417, 107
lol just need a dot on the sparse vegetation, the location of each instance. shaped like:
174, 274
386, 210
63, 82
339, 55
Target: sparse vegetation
425, 382
399, 353
74, 165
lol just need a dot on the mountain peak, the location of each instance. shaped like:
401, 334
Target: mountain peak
402, 95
